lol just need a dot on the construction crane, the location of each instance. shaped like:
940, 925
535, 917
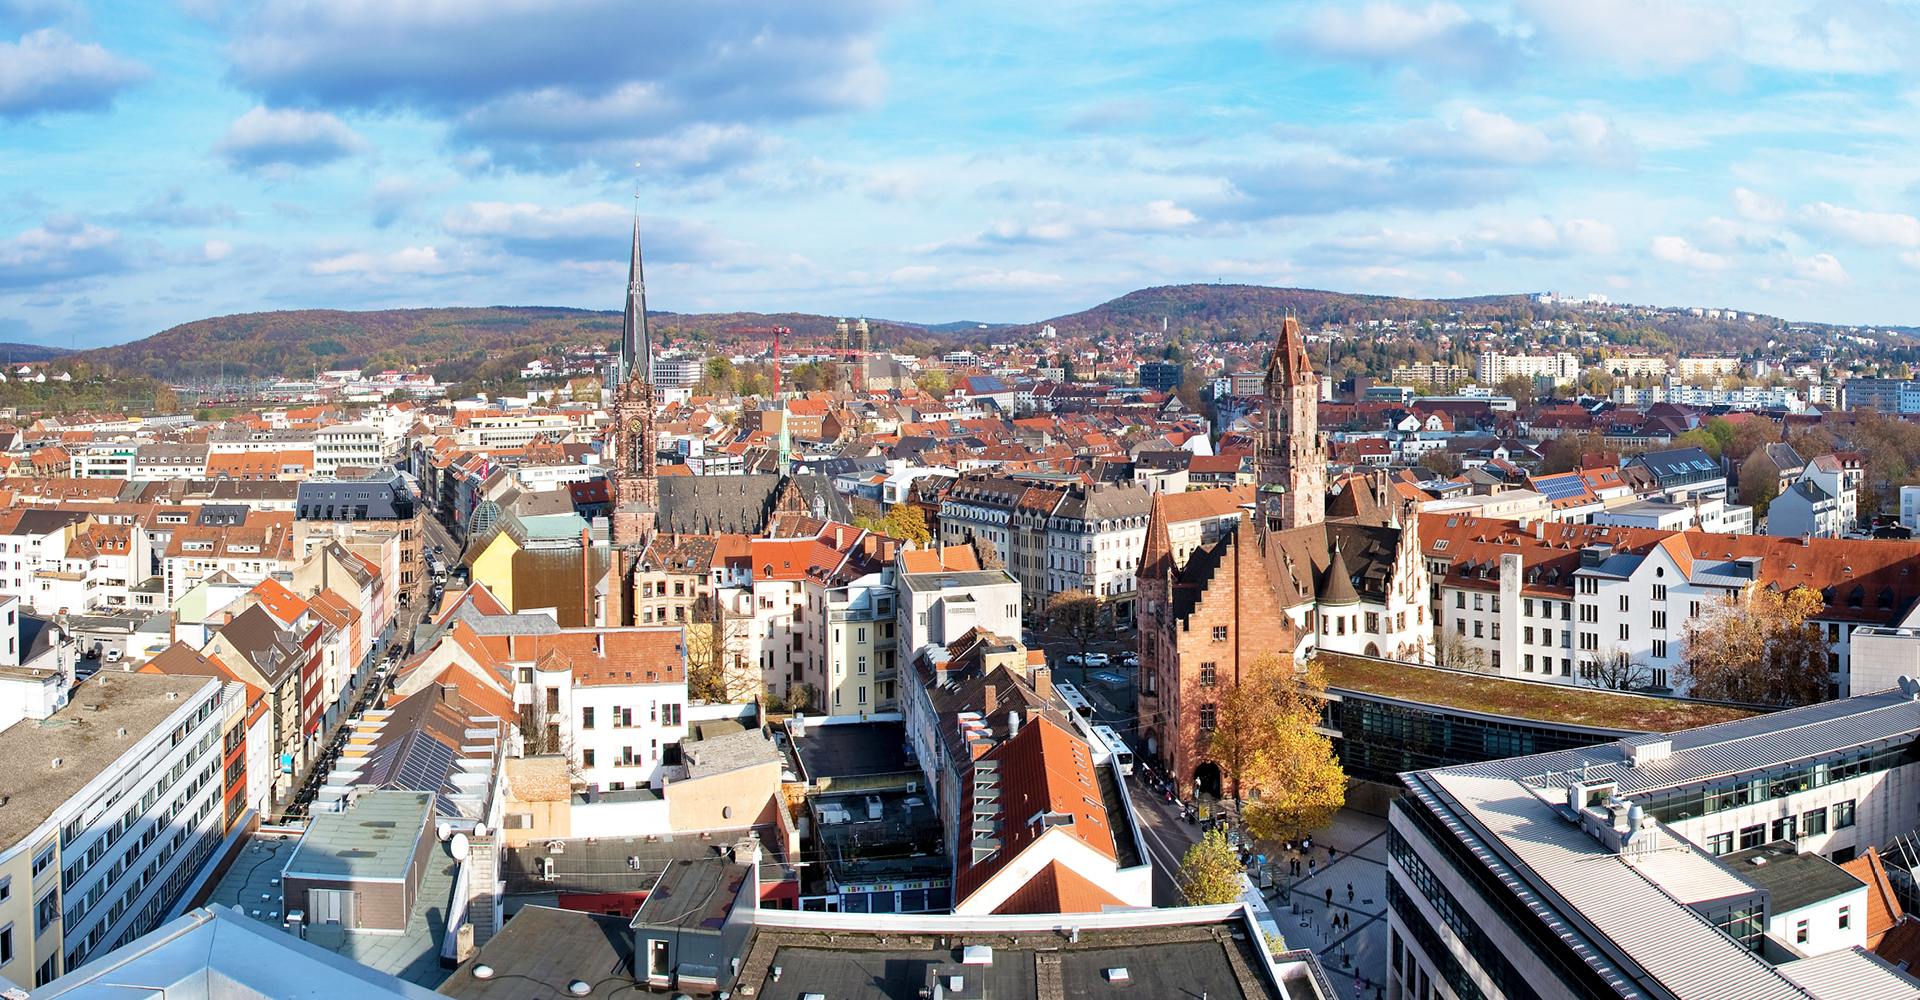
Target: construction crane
778, 332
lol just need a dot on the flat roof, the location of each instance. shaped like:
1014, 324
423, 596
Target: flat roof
1793, 879
85, 738
853, 749
694, 894
254, 884
1190, 960
1563, 704
552, 947
1559, 866
957, 581
599, 864
373, 839
1741, 746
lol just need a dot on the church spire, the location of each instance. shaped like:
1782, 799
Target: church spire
636, 342
634, 474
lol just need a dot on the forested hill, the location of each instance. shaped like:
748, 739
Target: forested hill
1225, 310
457, 343
300, 342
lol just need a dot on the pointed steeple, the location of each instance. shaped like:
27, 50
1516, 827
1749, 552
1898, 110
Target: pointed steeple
1290, 364
1336, 591
636, 343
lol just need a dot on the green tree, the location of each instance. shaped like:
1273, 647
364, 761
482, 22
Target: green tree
906, 521
1210, 873
720, 370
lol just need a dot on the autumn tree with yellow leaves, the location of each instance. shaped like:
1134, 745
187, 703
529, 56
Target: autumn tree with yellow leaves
1268, 746
1758, 647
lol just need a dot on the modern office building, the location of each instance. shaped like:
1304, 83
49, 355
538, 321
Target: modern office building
108, 807
1629, 869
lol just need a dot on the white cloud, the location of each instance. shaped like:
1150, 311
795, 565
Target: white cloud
217, 249
1057, 222
1758, 207
49, 71
1441, 38
1543, 238
1821, 267
1872, 229
1676, 250
62, 248
1388, 243
1639, 35
412, 260
551, 84
1477, 136
282, 137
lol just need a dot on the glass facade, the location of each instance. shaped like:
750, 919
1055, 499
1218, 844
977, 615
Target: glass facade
1381, 739
1485, 953
1688, 801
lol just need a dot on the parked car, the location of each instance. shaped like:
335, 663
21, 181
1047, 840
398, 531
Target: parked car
1130, 660
113, 655
1092, 660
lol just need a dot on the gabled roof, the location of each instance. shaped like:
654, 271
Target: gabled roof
1047, 787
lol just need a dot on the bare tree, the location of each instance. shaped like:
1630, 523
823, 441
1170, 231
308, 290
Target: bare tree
718, 667
1453, 650
539, 738
1619, 670
1079, 616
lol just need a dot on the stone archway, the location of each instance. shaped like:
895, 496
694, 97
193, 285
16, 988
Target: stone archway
1372, 649
1206, 779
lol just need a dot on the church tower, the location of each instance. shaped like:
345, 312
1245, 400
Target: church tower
634, 474
1293, 454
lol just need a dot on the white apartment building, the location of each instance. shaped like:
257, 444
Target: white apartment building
511, 430
1493, 368
616, 697
1707, 367
357, 445
1602, 605
35, 674
939, 608
104, 461
1636, 367
113, 804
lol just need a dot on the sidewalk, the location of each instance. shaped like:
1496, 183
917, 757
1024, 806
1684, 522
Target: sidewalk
1358, 951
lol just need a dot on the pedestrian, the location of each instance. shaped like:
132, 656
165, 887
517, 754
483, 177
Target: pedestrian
1329, 895
1311, 870
1349, 892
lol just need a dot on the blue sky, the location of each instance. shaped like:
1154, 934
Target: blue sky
170, 160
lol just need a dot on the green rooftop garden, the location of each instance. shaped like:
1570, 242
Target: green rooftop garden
1490, 695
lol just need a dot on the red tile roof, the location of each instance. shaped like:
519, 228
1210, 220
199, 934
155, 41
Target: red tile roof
1044, 769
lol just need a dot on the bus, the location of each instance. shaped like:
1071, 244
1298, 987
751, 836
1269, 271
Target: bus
1074, 699
1115, 746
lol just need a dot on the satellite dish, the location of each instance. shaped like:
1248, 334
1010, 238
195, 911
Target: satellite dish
445, 830
460, 848
479, 830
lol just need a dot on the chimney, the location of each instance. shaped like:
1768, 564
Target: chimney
450, 694
1540, 530
1013, 723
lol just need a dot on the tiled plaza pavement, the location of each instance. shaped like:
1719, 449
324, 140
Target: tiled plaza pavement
1356, 952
